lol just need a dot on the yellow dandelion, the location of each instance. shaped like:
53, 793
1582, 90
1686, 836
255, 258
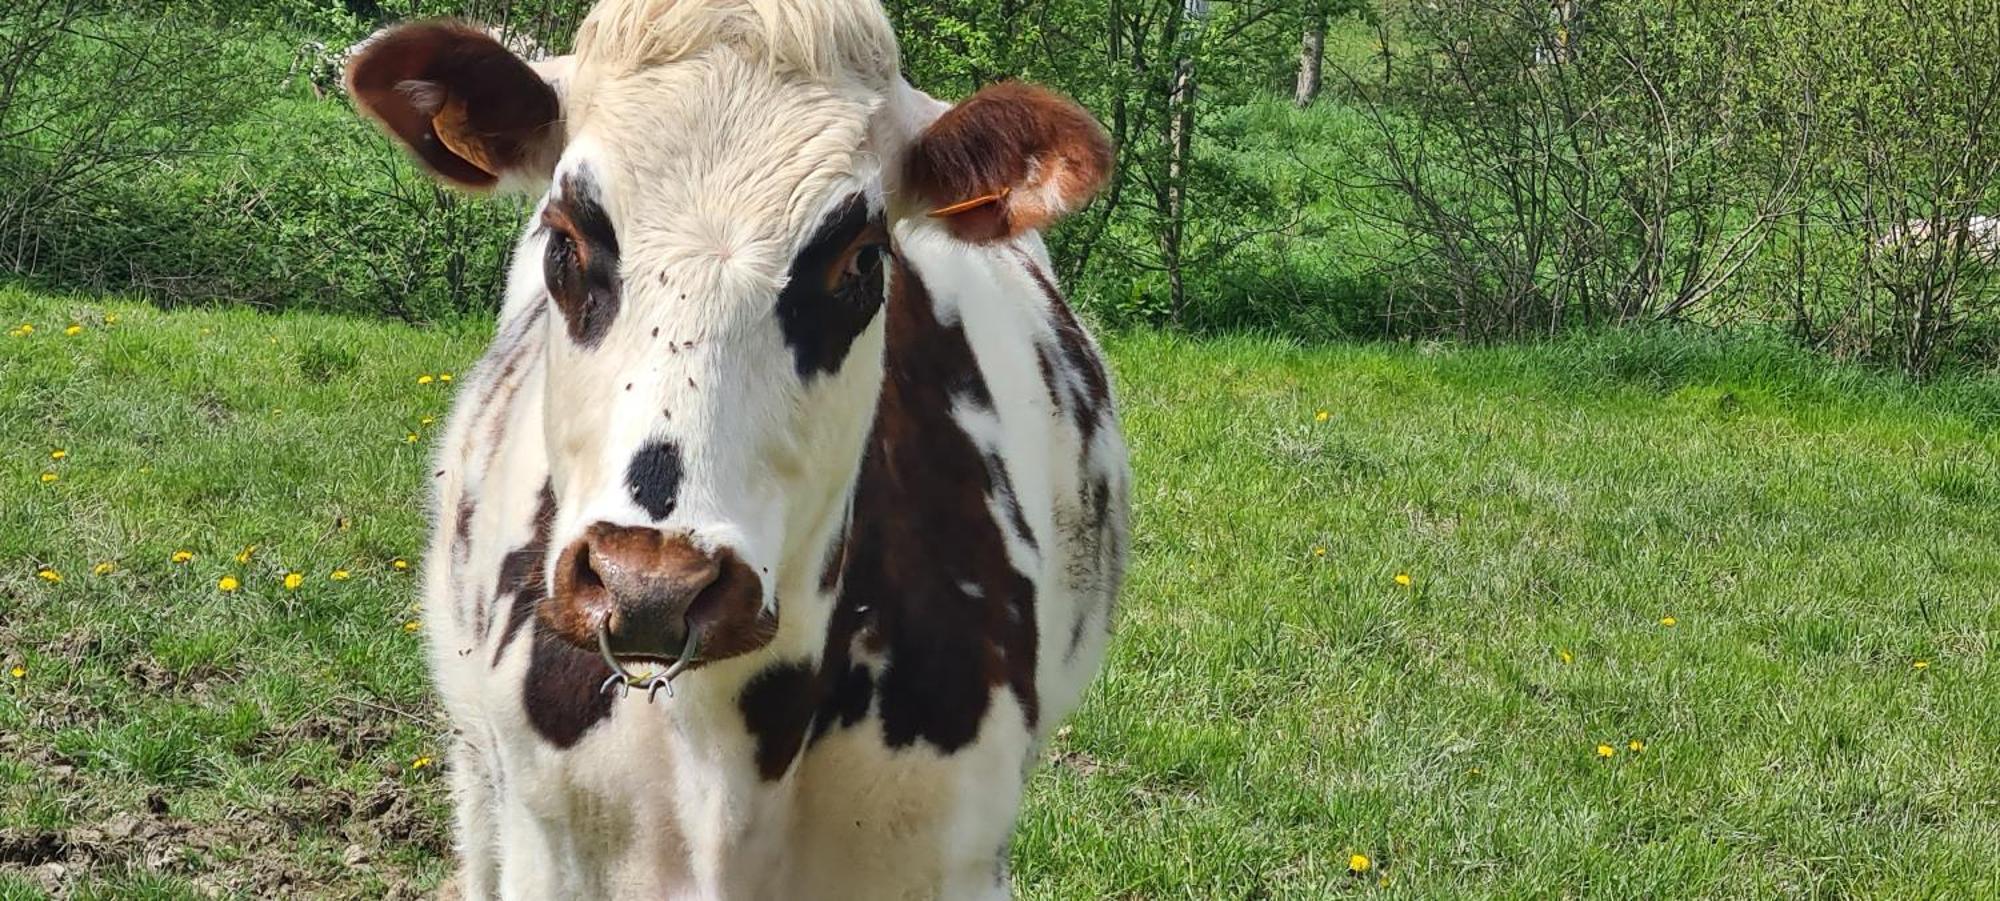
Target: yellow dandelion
1669, 621
410, 438
1359, 863
293, 580
111, 319
1322, 416
1403, 579
412, 626
58, 454
420, 762
243, 556
228, 583
1606, 751
21, 331
49, 476
1921, 664
49, 575
400, 564
1319, 551
1635, 746
1567, 657
182, 556
427, 420
424, 379
19, 672
444, 376
340, 575
103, 568
73, 330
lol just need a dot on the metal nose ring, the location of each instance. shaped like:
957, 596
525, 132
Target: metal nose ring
623, 679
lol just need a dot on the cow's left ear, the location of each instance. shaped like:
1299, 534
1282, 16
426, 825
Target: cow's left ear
1011, 158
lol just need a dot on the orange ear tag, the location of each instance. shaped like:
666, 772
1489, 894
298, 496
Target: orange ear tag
973, 204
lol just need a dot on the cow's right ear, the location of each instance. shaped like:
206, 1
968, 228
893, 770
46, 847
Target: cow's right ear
467, 108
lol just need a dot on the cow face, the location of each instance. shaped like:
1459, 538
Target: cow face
716, 246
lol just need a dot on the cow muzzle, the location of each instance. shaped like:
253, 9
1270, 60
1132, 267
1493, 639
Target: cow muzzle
638, 595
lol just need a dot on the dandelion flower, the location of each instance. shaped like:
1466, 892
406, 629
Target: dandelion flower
1606, 751
21, 331
1319, 551
1403, 579
1322, 416
182, 556
49, 575
412, 626
444, 376
427, 420
243, 556
420, 762
1635, 746
58, 453
1359, 863
49, 476
1669, 621
400, 564
19, 672
340, 575
410, 438
111, 319
103, 568
1921, 664
73, 330
424, 379
293, 580
228, 584
1567, 657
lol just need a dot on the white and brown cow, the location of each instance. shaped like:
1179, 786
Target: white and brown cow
783, 395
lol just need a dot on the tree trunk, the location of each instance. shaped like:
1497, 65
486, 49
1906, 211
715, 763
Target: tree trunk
1180, 141
1312, 56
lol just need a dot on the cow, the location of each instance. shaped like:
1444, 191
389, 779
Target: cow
784, 518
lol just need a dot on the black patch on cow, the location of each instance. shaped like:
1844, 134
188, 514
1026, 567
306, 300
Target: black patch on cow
922, 528
777, 706
834, 288
580, 261
654, 478
521, 573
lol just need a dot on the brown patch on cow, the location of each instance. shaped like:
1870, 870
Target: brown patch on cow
922, 530
1030, 154
464, 106
560, 693
521, 573
1071, 368
777, 708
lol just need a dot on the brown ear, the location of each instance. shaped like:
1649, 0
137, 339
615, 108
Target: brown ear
466, 107
1010, 158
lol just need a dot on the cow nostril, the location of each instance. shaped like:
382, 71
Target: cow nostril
583, 575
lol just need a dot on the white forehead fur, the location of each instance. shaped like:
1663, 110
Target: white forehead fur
720, 130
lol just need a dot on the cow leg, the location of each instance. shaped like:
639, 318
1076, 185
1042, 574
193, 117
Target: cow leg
475, 798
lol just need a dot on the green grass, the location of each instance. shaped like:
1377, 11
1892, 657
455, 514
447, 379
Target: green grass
1268, 710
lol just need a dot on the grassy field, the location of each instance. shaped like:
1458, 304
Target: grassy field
1633, 616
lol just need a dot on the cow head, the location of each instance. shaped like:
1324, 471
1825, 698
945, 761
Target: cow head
727, 186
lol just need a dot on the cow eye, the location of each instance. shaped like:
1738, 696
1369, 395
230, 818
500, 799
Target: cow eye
560, 255
864, 262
